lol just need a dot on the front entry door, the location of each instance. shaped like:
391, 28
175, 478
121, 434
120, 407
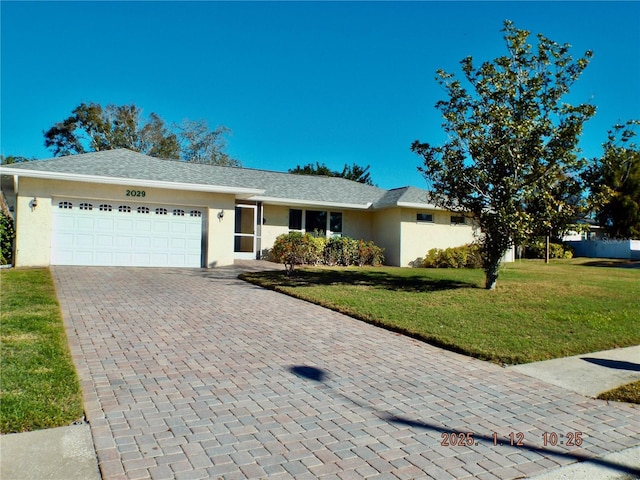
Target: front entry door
245, 232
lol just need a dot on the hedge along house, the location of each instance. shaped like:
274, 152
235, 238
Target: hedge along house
122, 208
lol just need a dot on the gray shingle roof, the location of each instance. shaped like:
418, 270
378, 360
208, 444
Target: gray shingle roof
125, 164
404, 195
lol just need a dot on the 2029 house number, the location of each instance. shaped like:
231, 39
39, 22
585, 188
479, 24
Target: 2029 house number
135, 193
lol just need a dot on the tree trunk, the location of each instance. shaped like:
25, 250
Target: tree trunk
491, 275
546, 255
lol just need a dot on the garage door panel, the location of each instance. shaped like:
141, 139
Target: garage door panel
103, 241
143, 226
125, 238
159, 259
123, 242
141, 258
140, 242
83, 241
178, 243
84, 256
102, 258
178, 228
86, 224
161, 226
124, 225
105, 224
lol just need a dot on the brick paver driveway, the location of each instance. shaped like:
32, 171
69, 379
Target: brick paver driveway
194, 374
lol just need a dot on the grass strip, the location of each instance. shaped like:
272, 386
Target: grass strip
626, 393
538, 311
39, 387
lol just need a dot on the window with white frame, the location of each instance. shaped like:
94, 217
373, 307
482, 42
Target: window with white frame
335, 224
319, 222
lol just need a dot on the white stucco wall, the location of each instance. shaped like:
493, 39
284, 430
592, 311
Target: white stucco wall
33, 225
357, 224
417, 238
386, 234
276, 218
33, 230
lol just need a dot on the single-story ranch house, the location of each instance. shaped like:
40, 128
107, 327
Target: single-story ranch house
123, 208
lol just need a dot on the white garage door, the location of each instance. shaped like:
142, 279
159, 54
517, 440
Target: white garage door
97, 232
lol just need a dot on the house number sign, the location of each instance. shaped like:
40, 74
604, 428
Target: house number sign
135, 193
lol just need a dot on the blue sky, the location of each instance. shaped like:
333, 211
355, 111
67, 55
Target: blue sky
296, 82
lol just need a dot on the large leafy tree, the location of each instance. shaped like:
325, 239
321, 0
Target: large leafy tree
91, 128
512, 143
199, 144
614, 183
350, 172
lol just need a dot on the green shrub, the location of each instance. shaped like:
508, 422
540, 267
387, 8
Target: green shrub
347, 251
538, 249
466, 256
340, 251
293, 248
7, 234
369, 254
296, 248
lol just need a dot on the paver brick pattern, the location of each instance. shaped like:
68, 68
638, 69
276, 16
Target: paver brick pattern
194, 374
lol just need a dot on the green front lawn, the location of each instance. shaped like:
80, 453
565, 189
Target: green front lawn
39, 387
537, 312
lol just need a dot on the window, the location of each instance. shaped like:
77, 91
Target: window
161, 211
143, 209
85, 206
124, 208
316, 222
425, 217
65, 205
457, 220
105, 207
195, 213
335, 223
178, 212
295, 219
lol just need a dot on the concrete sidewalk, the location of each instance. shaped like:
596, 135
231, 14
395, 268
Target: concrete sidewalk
590, 374
64, 453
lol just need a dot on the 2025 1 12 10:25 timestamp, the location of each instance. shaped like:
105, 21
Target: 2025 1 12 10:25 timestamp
514, 439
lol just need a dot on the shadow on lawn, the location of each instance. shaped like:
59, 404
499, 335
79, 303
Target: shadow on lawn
369, 278
612, 263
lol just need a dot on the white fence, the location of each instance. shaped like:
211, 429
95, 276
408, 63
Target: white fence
625, 249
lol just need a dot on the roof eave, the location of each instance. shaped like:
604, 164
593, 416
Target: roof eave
296, 202
429, 206
134, 182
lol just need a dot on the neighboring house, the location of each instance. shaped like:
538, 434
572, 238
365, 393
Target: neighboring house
593, 231
123, 208
594, 243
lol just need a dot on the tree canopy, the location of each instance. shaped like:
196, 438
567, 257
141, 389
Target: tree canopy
92, 128
351, 172
511, 158
614, 183
9, 159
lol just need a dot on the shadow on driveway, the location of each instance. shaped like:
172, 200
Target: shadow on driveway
321, 377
